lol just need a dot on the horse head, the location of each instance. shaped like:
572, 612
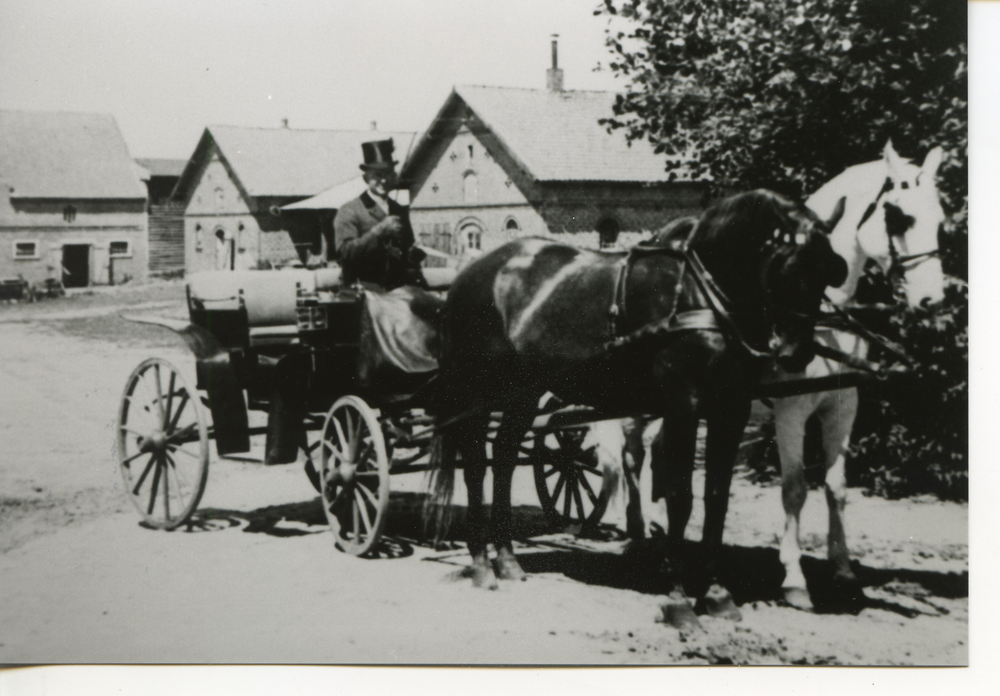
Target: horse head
901, 234
800, 266
777, 257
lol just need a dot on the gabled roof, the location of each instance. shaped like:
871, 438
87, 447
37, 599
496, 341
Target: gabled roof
162, 167
286, 162
66, 155
333, 198
555, 135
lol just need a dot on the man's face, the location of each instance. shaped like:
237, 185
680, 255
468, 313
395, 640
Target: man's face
381, 182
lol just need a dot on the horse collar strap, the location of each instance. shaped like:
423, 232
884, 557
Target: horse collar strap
713, 318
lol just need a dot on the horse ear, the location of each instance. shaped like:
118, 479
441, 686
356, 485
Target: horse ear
838, 212
932, 161
892, 160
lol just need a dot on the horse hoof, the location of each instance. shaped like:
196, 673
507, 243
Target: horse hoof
678, 613
798, 597
719, 603
847, 594
482, 576
508, 568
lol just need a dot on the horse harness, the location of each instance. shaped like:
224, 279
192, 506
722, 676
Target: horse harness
716, 317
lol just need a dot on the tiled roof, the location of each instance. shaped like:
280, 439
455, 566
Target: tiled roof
291, 162
556, 135
162, 167
65, 155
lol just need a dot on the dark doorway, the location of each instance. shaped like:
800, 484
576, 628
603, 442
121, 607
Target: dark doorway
76, 265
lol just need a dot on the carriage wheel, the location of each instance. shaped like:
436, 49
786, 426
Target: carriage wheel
568, 481
162, 444
354, 470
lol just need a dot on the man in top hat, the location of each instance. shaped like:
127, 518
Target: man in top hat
372, 233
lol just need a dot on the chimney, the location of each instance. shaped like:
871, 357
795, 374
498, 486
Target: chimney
554, 76
284, 123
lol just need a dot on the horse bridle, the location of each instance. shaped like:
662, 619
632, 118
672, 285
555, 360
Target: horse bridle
898, 264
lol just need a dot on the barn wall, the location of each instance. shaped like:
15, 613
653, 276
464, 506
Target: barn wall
96, 223
166, 238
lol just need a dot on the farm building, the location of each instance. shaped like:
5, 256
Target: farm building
73, 206
238, 179
166, 216
499, 163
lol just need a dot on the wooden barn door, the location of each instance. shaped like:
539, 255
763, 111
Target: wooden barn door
76, 265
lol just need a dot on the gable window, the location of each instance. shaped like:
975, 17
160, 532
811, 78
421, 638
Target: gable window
220, 198
26, 250
120, 249
512, 225
199, 238
470, 188
607, 230
69, 213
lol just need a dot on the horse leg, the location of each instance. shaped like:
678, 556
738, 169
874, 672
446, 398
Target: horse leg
633, 456
514, 424
837, 420
608, 442
725, 430
671, 462
473, 448
790, 415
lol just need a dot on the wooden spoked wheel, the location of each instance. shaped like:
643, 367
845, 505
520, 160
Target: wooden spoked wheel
568, 481
354, 475
162, 444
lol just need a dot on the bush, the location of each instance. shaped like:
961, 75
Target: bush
912, 432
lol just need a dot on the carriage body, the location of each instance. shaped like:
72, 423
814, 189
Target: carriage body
272, 335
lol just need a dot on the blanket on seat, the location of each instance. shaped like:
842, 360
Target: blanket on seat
399, 339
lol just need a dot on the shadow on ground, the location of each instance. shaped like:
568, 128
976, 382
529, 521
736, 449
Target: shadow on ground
752, 574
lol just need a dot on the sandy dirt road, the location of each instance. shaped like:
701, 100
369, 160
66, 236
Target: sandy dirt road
258, 579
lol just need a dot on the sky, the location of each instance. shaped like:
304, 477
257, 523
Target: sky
166, 70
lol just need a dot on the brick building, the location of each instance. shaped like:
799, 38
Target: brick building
73, 206
500, 163
234, 187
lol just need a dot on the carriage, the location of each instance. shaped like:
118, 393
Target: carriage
287, 344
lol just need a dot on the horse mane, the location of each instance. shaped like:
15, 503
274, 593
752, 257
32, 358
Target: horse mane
674, 232
746, 211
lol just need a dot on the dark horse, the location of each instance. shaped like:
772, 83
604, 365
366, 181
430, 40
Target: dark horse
671, 331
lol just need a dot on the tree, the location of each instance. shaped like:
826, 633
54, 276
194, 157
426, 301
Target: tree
785, 94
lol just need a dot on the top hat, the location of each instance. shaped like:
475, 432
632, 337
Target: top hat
378, 155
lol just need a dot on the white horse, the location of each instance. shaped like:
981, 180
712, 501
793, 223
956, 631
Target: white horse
892, 216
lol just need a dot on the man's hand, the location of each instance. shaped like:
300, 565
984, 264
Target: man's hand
389, 230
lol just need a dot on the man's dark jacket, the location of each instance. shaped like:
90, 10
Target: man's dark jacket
367, 252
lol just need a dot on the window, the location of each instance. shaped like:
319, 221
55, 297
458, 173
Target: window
120, 249
220, 198
511, 225
69, 213
470, 188
25, 250
474, 239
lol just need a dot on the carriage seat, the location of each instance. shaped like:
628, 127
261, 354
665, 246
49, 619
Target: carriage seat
268, 297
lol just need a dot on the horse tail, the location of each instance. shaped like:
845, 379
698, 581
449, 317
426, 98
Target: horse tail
438, 510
